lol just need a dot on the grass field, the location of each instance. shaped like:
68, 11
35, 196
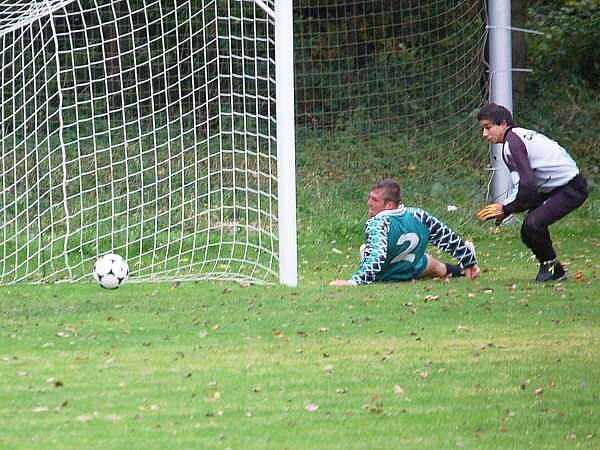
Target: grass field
501, 362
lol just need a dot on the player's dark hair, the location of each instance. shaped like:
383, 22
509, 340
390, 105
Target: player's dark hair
496, 114
390, 190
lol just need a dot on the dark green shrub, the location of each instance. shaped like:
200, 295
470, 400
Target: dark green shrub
571, 40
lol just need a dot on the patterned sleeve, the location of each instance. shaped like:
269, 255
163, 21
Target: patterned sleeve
375, 254
445, 239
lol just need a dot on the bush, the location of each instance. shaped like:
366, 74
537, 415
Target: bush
572, 33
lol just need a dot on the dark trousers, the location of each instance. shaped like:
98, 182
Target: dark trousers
553, 206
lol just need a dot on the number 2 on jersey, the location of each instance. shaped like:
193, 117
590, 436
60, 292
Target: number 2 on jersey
407, 255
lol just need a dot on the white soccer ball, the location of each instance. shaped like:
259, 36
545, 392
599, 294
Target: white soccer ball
111, 271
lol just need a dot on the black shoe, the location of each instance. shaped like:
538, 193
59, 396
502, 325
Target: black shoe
551, 271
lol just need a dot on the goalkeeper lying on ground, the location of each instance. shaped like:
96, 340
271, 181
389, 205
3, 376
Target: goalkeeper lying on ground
396, 239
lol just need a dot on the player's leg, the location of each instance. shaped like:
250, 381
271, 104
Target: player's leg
535, 233
438, 269
434, 268
558, 204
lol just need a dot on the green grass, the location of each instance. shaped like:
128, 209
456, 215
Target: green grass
501, 362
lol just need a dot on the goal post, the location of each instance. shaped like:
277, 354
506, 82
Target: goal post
149, 129
500, 45
286, 161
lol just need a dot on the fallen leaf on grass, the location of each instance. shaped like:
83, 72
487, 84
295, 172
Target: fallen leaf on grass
311, 407
376, 406
62, 405
398, 390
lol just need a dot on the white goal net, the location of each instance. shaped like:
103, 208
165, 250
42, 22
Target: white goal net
143, 128
391, 68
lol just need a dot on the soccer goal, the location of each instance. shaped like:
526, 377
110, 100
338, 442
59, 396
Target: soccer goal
162, 131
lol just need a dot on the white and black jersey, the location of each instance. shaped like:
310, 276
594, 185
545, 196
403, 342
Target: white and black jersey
537, 165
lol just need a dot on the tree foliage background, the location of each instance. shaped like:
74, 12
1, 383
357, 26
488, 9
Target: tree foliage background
562, 96
571, 40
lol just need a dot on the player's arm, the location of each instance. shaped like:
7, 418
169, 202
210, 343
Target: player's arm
375, 254
523, 193
445, 239
526, 189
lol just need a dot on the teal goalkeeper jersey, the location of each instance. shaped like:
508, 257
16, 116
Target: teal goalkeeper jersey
396, 241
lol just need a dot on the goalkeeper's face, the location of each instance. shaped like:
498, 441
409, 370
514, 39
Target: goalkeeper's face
377, 203
492, 132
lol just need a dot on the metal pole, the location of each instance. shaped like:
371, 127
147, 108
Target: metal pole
500, 47
286, 159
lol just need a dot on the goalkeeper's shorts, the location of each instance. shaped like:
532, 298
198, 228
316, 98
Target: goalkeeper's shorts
405, 271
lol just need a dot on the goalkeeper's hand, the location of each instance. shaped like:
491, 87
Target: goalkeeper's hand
491, 211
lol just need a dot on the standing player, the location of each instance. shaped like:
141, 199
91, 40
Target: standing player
546, 181
396, 239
